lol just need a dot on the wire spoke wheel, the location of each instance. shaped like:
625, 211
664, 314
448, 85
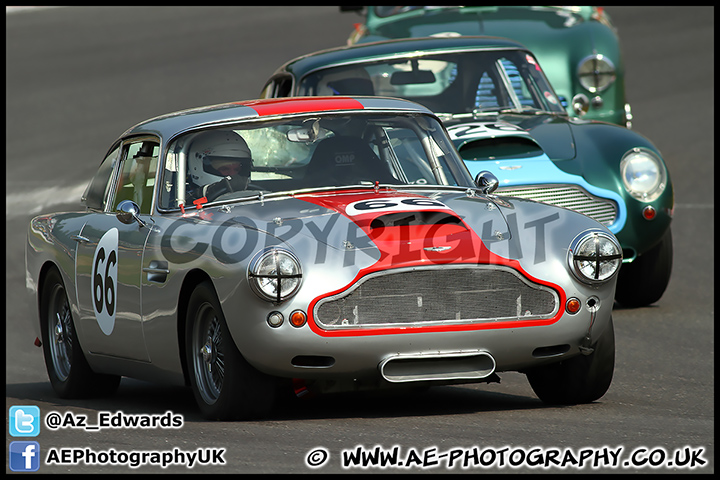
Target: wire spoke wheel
68, 369
224, 384
208, 355
60, 333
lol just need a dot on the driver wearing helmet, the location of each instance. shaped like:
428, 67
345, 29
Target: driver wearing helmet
219, 162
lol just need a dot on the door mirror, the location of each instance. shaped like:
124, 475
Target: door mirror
128, 212
486, 182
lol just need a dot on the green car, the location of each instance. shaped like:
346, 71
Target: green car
504, 117
578, 47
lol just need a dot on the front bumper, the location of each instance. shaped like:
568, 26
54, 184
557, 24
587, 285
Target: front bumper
469, 353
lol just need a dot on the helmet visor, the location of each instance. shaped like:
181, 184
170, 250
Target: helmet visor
227, 166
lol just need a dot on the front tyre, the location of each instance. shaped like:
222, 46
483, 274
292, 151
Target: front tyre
580, 379
68, 370
644, 281
225, 386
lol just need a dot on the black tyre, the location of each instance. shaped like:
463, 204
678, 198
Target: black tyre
644, 281
580, 379
68, 370
225, 386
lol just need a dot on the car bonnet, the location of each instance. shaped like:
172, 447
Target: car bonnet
393, 227
398, 227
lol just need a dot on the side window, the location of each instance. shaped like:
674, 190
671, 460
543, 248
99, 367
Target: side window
95, 196
136, 179
278, 87
518, 85
267, 90
486, 96
284, 87
169, 189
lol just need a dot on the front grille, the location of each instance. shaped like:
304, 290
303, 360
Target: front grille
567, 196
429, 296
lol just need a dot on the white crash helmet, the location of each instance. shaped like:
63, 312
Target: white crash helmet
208, 147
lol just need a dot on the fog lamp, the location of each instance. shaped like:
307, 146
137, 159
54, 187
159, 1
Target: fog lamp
275, 319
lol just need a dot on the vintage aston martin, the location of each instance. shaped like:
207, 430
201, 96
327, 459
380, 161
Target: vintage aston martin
332, 244
578, 46
503, 116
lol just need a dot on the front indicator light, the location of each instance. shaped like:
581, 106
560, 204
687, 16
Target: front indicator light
649, 212
572, 306
594, 256
275, 274
298, 318
580, 104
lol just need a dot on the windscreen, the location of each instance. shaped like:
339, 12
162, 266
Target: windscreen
446, 83
308, 152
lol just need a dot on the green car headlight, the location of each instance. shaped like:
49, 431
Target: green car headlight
596, 73
275, 274
594, 256
643, 174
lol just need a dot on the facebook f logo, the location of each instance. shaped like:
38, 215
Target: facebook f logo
24, 421
24, 456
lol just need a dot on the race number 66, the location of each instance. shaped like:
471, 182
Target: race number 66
104, 280
399, 204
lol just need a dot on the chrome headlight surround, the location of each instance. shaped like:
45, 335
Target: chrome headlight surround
596, 73
275, 274
643, 174
594, 256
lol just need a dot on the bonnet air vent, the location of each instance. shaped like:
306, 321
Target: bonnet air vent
500, 149
414, 218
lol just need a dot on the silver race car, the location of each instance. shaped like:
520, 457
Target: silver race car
314, 243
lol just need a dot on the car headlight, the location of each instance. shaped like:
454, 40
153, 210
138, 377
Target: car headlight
643, 174
594, 256
596, 73
275, 274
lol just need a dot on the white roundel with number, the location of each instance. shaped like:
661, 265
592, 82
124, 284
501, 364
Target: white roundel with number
390, 204
104, 280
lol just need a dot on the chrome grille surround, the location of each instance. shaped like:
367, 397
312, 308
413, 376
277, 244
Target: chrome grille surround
437, 295
572, 197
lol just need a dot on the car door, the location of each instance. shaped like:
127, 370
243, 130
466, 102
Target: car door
108, 267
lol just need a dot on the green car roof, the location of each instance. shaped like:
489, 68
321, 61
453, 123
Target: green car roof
308, 63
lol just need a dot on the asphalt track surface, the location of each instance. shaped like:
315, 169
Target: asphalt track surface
78, 77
